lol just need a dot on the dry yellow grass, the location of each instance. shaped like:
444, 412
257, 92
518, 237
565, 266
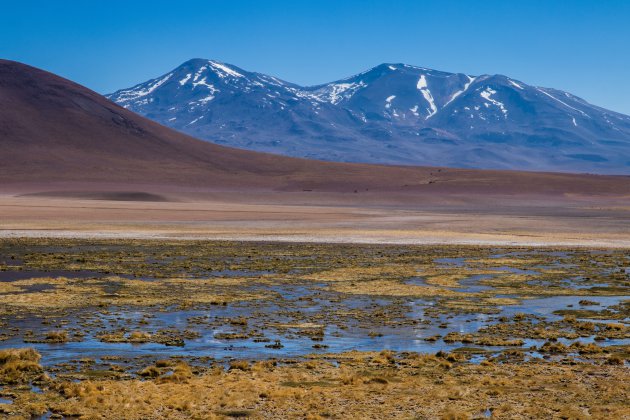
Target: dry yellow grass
18, 365
365, 385
364, 273
392, 288
64, 293
362, 385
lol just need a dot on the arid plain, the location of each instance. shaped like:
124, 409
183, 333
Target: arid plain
598, 221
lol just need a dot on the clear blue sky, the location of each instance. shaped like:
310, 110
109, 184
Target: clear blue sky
579, 46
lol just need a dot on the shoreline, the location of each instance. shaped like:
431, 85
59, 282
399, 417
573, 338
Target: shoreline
315, 238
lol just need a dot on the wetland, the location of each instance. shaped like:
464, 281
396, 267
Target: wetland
219, 329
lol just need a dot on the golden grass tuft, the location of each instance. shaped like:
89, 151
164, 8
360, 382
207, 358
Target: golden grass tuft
242, 365
19, 365
150, 372
24, 354
414, 387
139, 337
60, 336
180, 374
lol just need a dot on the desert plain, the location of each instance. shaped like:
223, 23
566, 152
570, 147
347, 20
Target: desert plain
362, 217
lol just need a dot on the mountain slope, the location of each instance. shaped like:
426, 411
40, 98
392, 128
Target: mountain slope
392, 113
57, 134
53, 130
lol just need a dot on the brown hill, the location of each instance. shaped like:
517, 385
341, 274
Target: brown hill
56, 132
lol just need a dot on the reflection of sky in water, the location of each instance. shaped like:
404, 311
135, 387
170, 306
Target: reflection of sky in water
309, 302
546, 306
398, 338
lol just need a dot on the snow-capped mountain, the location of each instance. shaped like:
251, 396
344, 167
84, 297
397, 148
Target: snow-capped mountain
392, 113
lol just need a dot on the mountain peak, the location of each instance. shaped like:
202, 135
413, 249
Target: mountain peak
193, 62
217, 66
392, 113
389, 66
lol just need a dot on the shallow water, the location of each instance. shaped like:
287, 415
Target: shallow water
547, 306
348, 322
471, 284
262, 316
456, 262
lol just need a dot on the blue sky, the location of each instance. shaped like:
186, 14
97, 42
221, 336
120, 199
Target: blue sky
579, 46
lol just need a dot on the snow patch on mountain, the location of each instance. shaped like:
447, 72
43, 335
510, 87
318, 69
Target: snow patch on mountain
206, 99
133, 94
422, 82
195, 120
224, 71
389, 100
487, 95
199, 72
271, 80
203, 82
422, 85
563, 103
459, 92
185, 79
336, 92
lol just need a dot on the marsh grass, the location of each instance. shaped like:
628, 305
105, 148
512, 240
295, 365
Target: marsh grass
242, 365
19, 365
182, 275
364, 385
57, 337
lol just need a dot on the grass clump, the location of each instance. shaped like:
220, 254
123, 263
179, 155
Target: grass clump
139, 337
19, 365
150, 372
57, 337
239, 365
180, 374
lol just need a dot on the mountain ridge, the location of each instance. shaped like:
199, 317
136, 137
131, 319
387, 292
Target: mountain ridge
56, 135
392, 113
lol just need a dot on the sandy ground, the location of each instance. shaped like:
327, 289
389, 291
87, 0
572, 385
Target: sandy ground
527, 221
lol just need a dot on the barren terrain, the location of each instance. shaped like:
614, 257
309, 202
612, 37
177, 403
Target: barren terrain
310, 217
